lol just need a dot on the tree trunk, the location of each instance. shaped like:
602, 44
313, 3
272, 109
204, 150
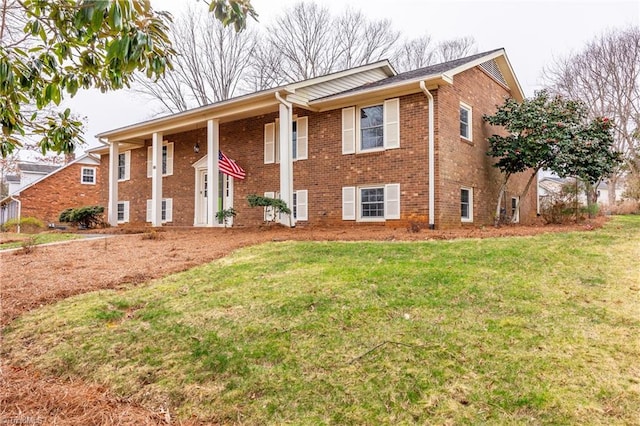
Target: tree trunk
503, 187
611, 193
524, 194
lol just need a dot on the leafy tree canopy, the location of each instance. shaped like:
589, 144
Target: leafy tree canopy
73, 44
554, 133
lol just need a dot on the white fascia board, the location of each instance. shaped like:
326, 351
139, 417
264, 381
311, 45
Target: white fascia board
196, 115
78, 160
413, 85
384, 64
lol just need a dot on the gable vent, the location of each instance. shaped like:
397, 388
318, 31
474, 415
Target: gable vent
491, 67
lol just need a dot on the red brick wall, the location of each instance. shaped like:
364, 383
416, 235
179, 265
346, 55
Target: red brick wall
327, 170
464, 163
47, 198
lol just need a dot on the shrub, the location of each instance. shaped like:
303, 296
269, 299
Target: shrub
224, 215
27, 225
277, 205
84, 217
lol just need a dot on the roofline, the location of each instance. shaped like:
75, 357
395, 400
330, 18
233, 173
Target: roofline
446, 77
203, 112
59, 169
209, 111
429, 79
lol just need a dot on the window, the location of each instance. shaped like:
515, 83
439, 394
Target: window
377, 127
88, 176
371, 127
124, 165
465, 121
371, 203
167, 159
300, 205
515, 209
123, 211
299, 140
167, 210
466, 204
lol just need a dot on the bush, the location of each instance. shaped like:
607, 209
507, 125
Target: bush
277, 205
84, 217
27, 225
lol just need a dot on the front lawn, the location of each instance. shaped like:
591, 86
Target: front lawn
10, 240
533, 330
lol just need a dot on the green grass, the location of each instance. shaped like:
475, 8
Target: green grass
533, 330
14, 240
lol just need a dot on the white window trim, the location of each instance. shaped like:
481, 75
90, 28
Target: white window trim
352, 203
470, 218
127, 166
517, 212
126, 211
470, 121
168, 216
170, 152
352, 133
93, 170
359, 148
302, 194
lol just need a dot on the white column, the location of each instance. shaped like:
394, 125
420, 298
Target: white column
286, 163
112, 205
156, 180
213, 146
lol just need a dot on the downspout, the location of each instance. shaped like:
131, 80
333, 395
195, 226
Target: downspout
289, 159
432, 184
19, 210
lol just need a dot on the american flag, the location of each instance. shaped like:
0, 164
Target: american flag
229, 167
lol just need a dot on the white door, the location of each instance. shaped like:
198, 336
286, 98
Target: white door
225, 197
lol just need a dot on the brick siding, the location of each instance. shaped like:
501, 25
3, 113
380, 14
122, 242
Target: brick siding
50, 196
327, 170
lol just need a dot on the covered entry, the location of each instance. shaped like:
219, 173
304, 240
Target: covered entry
202, 190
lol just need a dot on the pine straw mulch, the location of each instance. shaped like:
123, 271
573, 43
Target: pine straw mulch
55, 272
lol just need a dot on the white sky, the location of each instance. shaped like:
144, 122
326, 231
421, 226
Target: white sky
532, 32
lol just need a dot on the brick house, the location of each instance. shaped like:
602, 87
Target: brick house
365, 145
75, 184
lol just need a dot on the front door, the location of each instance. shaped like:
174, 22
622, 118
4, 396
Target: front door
225, 197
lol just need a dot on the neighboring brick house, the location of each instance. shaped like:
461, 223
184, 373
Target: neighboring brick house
75, 184
360, 149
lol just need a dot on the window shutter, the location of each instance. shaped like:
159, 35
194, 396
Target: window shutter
269, 143
168, 209
392, 123
126, 211
349, 130
148, 210
169, 159
302, 209
127, 171
302, 142
149, 161
277, 139
392, 201
349, 203
268, 211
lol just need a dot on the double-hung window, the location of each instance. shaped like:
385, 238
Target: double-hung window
371, 127
88, 176
299, 140
124, 165
465, 121
167, 210
167, 159
123, 211
515, 209
466, 204
371, 203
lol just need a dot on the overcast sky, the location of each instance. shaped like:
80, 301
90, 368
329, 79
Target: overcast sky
532, 32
